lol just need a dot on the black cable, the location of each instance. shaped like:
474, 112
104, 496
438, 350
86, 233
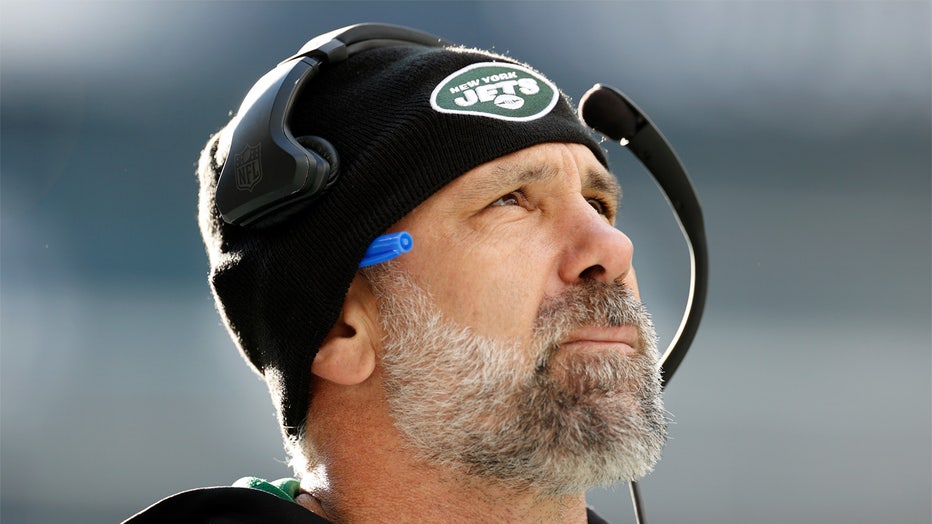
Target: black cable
639, 517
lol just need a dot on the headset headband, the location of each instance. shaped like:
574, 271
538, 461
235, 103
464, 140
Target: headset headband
268, 174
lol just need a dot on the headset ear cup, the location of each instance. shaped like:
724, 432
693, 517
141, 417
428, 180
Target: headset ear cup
325, 149
325, 154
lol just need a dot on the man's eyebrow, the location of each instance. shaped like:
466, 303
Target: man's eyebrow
602, 181
505, 177
523, 175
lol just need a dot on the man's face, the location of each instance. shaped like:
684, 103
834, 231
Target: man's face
515, 346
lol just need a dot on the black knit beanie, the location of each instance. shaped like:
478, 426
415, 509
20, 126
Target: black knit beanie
405, 121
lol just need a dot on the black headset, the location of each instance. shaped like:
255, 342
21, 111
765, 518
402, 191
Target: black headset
270, 174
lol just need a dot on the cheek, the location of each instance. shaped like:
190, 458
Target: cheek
496, 292
501, 303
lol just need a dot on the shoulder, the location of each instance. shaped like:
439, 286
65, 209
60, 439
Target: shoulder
230, 505
592, 518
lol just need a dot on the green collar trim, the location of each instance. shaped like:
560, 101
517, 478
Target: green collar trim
286, 488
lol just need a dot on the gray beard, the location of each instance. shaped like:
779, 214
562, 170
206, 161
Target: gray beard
536, 419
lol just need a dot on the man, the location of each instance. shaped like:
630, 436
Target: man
496, 371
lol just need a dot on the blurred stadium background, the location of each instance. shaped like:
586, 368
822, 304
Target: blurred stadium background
805, 127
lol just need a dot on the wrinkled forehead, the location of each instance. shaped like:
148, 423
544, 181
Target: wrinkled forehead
539, 163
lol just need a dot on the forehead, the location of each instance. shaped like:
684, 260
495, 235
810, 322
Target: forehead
540, 163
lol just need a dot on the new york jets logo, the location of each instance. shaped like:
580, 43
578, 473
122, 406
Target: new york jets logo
496, 90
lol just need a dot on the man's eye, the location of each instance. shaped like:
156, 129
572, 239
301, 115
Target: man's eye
598, 205
511, 199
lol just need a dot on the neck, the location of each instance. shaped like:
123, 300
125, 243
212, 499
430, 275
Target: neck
424, 494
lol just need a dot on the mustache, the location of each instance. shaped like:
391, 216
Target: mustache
593, 303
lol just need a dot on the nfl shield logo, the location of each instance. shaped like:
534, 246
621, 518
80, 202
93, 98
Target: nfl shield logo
248, 168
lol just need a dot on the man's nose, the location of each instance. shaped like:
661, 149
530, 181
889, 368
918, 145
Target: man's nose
595, 249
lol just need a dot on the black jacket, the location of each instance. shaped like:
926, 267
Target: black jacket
234, 505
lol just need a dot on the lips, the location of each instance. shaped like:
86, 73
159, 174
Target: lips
623, 338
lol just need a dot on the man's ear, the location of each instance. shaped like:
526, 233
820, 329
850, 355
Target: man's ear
347, 356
